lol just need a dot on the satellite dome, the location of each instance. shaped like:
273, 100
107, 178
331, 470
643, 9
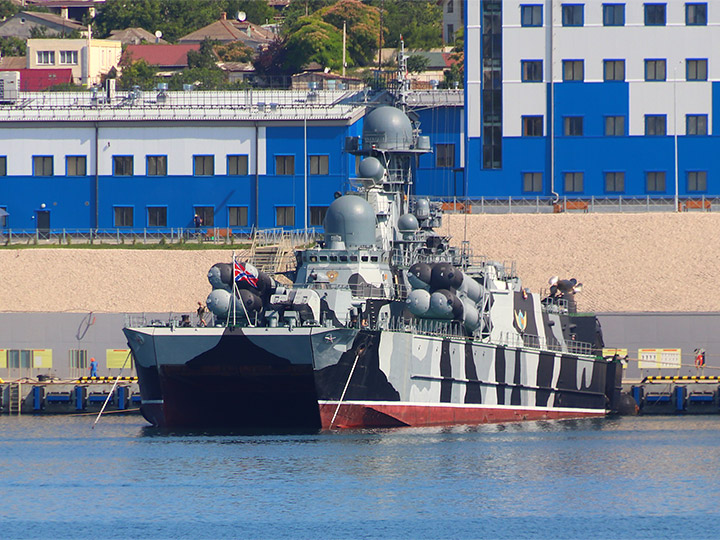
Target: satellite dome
387, 128
370, 167
408, 223
352, 219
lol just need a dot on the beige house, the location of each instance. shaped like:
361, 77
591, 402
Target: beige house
88, 58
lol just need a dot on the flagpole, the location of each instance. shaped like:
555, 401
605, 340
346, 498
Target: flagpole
233, 289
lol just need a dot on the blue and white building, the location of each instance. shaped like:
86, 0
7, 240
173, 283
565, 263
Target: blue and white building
592, 98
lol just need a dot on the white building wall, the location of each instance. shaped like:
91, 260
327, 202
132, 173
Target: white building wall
594, 43
473, 69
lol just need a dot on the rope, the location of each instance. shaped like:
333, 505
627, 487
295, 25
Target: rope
360, 351
107, 399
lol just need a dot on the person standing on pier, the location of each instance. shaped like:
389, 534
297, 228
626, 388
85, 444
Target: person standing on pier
93, 367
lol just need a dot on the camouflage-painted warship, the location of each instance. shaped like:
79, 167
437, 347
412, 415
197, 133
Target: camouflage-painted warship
385, 324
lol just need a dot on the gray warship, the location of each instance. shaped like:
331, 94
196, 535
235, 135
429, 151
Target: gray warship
385, 324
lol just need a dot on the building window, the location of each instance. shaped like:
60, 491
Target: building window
319, 164
697, 181
69, 57
614, 70
492, 103
655, 14
450, 7
655, 124
123, 216
76, 165
532, 71
317, 215
573, 182
157, 216
285, 216
203, 165
696, 14
655, 181
696, 70
614, 182
445, 155
157, 165
655, 70
573, 126
614, 126
123, 165
237, 165
284, 165
572, 14
77, 360
531, 15
237, 216
3, 217
532, 182
42, 165
532, 126
614, 14
19, 359
573, 70
696, 124
3, 165
206, 214
46, 57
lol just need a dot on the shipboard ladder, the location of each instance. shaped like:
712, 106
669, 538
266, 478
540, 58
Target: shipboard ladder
272, 249
15, 398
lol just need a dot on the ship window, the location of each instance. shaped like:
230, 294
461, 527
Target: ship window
319, 164
157, 165
237, 216
655, 181
76, 165
323, 258
343, 258
333, 258
237, 165
207, 214
353, 258
157, 216
122, 165
204, 165
313, 258
697, 181
364, 258
123, 216
374, 258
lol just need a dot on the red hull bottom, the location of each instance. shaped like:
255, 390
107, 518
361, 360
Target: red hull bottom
353, 415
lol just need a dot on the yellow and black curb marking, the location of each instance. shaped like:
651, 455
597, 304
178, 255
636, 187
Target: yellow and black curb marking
683, 378
106, 379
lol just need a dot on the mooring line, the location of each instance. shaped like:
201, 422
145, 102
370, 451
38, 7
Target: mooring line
107, 399
347, 383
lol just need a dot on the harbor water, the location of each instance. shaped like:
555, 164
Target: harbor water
629, 477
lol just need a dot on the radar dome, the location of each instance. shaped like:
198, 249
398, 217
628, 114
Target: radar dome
371, 167
351, 218
387, 128
408, 223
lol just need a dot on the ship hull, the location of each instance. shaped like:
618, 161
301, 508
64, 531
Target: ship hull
320, 378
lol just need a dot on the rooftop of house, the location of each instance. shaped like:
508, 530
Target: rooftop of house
226, 30
135, 36
11, 63
162, 55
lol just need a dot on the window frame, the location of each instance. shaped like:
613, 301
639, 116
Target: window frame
206, 213
73, 57
203, 160
446, 158
316, 162
119, 159
3, 165
649, 7
75, 157
239, 159
156, 158
532, 10
531, 71
43, 54
611, 9
570, 15
318, 211
695, 118
45, 160
285, 209
613, 64
692, 21
240, 213
284, 158
698, 177
656, 176
123, 207
652, 121
156, 207
655, 63
570, 180
571, 123
530, 122
532, 182
692, 64
612, 179
573, 65
614, 119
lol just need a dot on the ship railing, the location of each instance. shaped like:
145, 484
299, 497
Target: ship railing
510, 339
551, 304
431, 327
363, 290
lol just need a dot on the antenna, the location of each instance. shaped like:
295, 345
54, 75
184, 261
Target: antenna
241, 16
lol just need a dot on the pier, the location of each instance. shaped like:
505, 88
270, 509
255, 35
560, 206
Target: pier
78, 396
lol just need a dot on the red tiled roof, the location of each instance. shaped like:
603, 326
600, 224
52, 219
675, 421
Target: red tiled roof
32, 80
162, 55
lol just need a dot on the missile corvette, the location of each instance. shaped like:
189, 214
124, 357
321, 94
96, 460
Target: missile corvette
385, 324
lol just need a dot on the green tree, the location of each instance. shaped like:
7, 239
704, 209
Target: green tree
12, 46
455, 76
419, 22
313, 40
271, 60
256, 11
137, 73
301, 8
7, 9
417, 63
234, 52
362, 23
